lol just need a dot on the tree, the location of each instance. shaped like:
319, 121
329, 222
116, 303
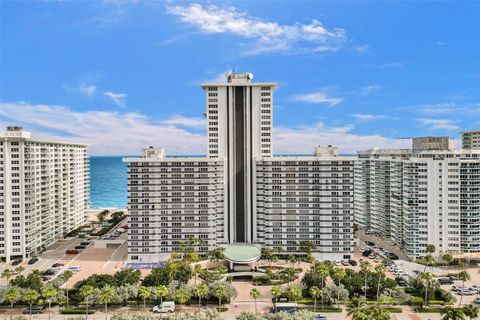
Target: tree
158, 276
31, 297
19, 269
201, 291
471, 311
182, 295
293, 259
307, 246
339, 274
102, 216
219, 292
127, 276
66, 275
294, 293
144, 293
314, 292
86, 293
464, 276
197, 268
49, 292
8, 273
357, 308
106, 296
427, 279
449, 313
448, 257
255, 294
365, 268
276, 293
380, 270
12, 295
161, 291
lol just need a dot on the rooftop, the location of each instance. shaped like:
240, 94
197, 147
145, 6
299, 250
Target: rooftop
242, 253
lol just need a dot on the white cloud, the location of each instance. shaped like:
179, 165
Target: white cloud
84, 89
107, 132
117, 98
396, 65
317, 97
439, 124
179, 120
303, 139
441, 43
369, 89
266, 36
367, 117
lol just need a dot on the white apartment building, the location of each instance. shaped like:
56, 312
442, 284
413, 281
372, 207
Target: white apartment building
240, 193
419, 197
44, 191
471, 139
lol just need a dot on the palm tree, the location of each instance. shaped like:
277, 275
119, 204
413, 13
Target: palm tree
323, 271
182, 295
255, 294
106, 296
339, 273
448, 257
144, 293
31, 297
314, 292
12, 295
219, 292
8, 273
357, 309
365, 268
86, 293
19, 269
276, 293
201, 291
49, 292
450, 313
471, 311
427, 278
464, 276
161, 291
66, 275
380, 270
294, 293
196, 270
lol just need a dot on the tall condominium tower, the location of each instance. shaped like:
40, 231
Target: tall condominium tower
239, 130
471, 139
240, 193
44, 191
419, 196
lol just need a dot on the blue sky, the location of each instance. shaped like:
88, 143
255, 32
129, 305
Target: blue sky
121, 75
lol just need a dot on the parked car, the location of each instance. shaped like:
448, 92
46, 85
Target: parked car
75, 268
49, 272
352, 262
35, 310
80, 247
371, 256
72, 251
336, 262
361, 249
401, 282
454, 277
85, 243
345, 262
16, 262
475, 288
392, 256
33, 260
367, 252
445, 280
320, 317
369, 243
476, 300
57, 265
166, 306
465, 292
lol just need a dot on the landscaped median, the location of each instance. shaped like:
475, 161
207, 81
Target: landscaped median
77, 311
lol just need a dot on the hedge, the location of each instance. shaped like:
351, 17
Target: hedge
320, 309
393, 309
429, 310
77, 311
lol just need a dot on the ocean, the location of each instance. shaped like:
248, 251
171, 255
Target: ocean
108, 182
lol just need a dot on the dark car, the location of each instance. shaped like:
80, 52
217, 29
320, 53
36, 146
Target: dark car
401, 282
445, 280
366, 253
57, 265
454, 277
392, 256
49, 272
16, 262
80, 247
352, 262
71, 251
35, 310
85, 243
369, 243
33, 260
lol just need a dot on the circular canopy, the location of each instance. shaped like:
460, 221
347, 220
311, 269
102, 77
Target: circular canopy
242, 253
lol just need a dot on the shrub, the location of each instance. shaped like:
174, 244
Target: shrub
393, 310
415, 301
76, 311
429, 310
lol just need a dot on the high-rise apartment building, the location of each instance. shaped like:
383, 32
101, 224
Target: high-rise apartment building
471, 139
44, 191
418, 197
239, 192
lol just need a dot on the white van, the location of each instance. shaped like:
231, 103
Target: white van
75, 268
166, 306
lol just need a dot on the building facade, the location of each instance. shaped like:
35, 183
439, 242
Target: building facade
239, 192
44, 191
471, 139
418, 197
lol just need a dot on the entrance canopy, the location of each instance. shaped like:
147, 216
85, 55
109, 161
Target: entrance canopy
242, 253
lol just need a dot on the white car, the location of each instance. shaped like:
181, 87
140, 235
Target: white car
165, 307
362, 249
75, 268
336, 262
